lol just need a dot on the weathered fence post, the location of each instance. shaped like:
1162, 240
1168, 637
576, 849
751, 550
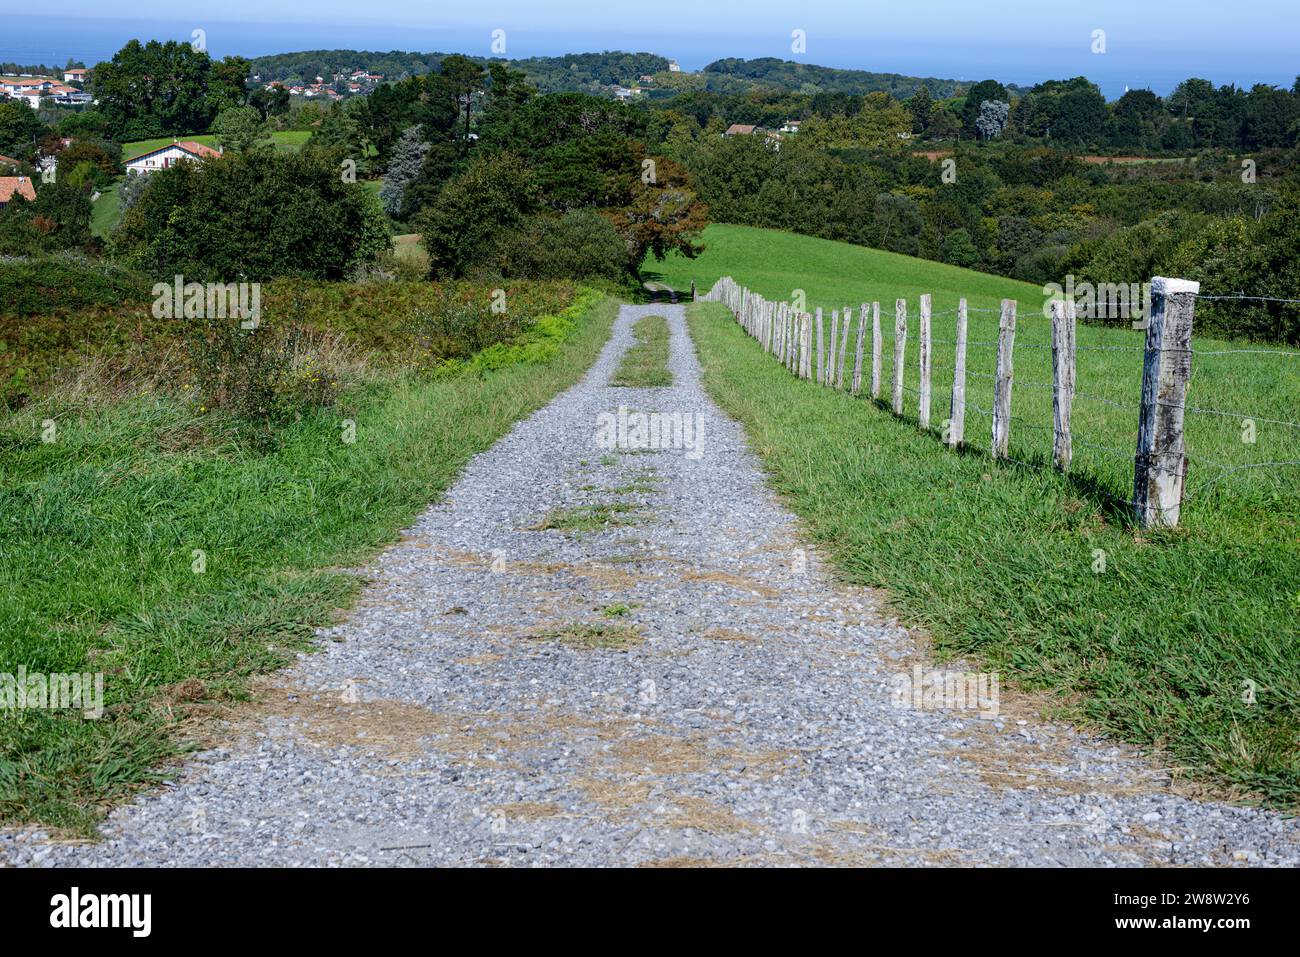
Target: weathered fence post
1062, 380
834, 340
900, 346
694, 295
923, 357
957, 422
844, 345
821, 368
876, 350
805, 345
1002, 386
1161, 463
857, 355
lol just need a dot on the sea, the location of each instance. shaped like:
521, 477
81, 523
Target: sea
53, 40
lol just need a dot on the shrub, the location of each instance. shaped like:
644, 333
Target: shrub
465, 223
254, 216
581, 244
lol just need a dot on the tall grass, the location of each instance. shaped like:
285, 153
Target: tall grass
1183, 641
149, 542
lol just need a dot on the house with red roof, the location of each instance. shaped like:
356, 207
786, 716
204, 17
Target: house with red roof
11, 186
170, 155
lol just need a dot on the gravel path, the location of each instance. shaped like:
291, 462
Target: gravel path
744, 714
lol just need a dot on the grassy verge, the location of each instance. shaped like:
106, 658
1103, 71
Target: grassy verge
1158, 639
147, 543
645, 364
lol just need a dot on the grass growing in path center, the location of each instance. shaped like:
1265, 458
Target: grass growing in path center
645, 365
1183, 641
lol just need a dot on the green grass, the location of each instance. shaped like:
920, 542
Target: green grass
587, 518
591, 637
105, 211
282, 139
1224, 471
831, 274
645, 364
101, 530
999, 561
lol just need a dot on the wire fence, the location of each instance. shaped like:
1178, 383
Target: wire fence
1140, 426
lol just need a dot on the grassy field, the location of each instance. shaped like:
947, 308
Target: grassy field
645, 364
283, 139
1225, 472
148, 542
1157, 638
105, 211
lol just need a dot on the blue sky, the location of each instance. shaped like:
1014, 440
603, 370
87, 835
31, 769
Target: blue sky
1147, 43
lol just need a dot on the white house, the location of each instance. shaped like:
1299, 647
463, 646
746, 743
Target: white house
170, 155
75, 76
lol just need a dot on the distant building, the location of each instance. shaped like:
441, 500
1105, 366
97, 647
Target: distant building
673, 67
790, 126
740, 129
11, 186
170, 155
75, 76
8, 163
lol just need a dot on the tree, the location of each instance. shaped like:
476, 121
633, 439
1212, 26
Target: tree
920, 106
405, 166
130, 190
992, 119
663, 216
493, 194
19, 128
240, 128
157, 89
959, 249
975, 96
272, 102
254, 216
59, 218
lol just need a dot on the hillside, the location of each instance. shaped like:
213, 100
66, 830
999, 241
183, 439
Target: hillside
773, 263
589, 72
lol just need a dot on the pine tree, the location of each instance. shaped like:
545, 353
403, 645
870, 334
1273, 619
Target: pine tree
408, 156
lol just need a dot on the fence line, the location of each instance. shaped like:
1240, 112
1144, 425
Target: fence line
1159, 456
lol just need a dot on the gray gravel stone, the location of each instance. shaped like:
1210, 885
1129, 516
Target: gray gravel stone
446, 723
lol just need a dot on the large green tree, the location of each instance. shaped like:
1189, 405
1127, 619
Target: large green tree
253, 216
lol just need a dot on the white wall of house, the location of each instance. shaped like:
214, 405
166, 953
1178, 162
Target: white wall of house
159, 160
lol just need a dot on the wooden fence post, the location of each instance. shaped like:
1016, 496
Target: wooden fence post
830, 352
805, 345
957, 422
844, 346
1002, 387
923, 357
900, 347
1062, 380
821, 368
876, 349
1160, 467
695, 296
857, 355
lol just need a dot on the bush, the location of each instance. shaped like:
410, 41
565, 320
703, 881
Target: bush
58, 219
465, 223
581, 244
255, 216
